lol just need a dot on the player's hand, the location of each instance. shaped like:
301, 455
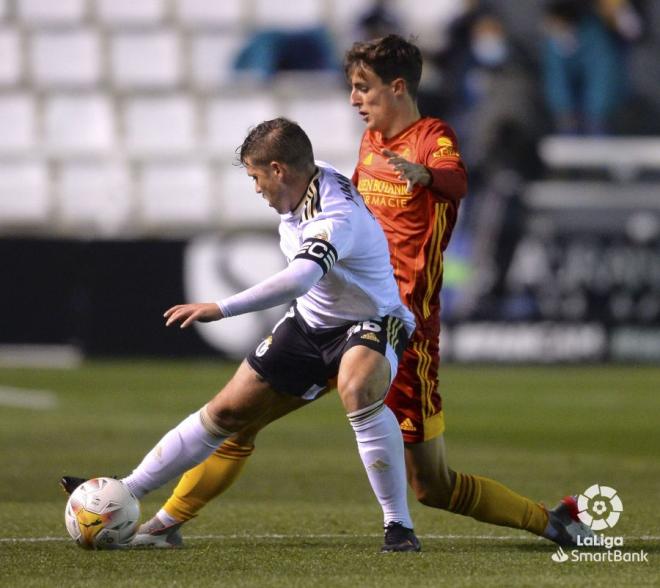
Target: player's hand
186, 314
413, 173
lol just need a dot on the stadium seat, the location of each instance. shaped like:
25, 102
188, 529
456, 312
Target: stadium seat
428, 24
239, 204
291, 14
228, 14
332, 125
24, 199
623, 157
49, 12
212, 59
94, 197
127, 13
11, 58
65, 58
345, 15
228, 120
175, 195
159, 125
17, 121
79, 124
145, 60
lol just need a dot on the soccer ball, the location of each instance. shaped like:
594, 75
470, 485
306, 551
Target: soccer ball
102, 513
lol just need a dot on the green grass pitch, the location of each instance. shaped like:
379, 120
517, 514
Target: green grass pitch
303, 514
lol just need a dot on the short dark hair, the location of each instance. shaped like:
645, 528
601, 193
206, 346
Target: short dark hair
277, 140
390, 57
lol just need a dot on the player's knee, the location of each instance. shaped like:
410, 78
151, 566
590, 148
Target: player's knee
432, 491
363, 381
356, 393
247, 435
228, 418
434, 499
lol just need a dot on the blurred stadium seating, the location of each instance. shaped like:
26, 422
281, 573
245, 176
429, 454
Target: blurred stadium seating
120, 118
126, 88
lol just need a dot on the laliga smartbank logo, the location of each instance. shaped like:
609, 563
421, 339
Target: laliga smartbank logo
598, 508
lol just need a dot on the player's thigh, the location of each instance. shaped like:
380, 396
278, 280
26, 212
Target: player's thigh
414, 397
370, 355
428, 472
248, 399
364, 377
290, 359
428, 459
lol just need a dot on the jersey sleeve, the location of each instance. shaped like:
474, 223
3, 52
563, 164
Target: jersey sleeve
327, 239
441, 156
329, 235
293, 281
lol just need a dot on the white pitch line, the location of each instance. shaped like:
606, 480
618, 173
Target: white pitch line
314, 536
26, 398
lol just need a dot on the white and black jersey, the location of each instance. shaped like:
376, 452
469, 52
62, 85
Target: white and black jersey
333, 227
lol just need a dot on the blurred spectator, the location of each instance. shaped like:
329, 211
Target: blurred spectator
444, 63
499, 118
379, 20
584, 62
271, 51
500, 110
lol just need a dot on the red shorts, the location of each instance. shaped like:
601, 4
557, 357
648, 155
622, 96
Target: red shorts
413, 396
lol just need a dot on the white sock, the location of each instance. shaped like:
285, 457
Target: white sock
166, 518
182, 448
381, 448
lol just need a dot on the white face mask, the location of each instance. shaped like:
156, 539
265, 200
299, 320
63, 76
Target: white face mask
490, 50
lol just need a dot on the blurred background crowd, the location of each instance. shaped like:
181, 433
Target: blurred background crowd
119, 120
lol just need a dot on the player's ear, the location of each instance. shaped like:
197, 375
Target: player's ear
399, 86
277, 168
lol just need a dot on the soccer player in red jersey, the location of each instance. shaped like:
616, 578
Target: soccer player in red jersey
411, 176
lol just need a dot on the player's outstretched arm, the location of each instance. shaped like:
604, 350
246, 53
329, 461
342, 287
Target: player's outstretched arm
293, 281
186, 314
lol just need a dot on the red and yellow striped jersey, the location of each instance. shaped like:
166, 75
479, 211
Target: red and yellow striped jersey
418, 225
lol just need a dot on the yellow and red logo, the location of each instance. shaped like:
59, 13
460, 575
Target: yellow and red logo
445, 148
90, 525
407, 425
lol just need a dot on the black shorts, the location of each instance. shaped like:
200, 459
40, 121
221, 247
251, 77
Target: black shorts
299, 360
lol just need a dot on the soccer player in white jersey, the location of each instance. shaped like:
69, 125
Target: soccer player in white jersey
347, 325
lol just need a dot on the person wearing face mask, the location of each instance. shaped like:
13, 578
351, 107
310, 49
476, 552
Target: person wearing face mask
500, 117
499, 96
488, 43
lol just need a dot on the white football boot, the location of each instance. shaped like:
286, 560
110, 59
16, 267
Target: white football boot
564, 526
154, 533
